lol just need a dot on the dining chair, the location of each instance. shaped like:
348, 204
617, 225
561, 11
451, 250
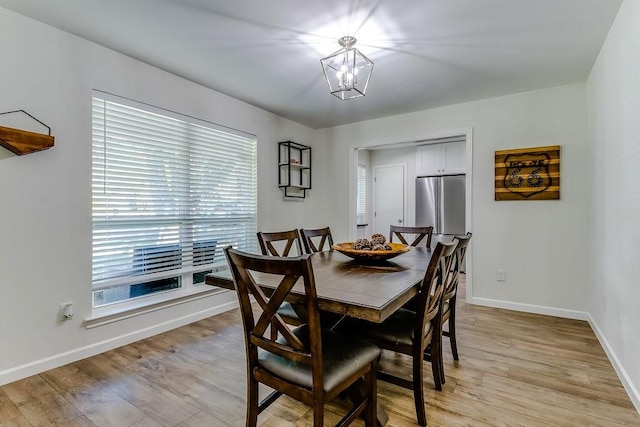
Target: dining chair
287, 240
309, 364
320, 236
450, 291
411, 332
314, 240
419, 232
270, 242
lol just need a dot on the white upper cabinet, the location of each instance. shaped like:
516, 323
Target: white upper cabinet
441, 159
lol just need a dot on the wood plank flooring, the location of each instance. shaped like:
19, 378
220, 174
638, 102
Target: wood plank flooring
515, 369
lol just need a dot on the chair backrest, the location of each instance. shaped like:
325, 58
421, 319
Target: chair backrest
419, 232
288, 240
256, 320
320, 236
437, 275
458, 264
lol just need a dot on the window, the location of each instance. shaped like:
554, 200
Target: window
361, 195
168, 192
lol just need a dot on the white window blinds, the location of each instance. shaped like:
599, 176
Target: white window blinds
361, 195
169, 192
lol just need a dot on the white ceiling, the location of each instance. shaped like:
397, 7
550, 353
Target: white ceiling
427, 53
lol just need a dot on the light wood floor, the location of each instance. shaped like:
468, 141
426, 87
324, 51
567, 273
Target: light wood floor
515, 369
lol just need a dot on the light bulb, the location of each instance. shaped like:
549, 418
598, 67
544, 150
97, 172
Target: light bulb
344, 68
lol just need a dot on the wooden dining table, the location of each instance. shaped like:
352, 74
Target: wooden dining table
369, 291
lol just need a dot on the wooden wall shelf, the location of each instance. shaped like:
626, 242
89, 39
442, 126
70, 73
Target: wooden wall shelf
21, 142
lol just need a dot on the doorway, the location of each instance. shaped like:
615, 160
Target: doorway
396, 153
389, 197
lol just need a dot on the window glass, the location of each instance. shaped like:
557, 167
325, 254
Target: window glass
169, 191
361, 195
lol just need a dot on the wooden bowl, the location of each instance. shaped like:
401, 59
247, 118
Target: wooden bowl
371, 256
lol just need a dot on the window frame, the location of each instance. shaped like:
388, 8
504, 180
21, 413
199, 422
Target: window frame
193, 261
361, 194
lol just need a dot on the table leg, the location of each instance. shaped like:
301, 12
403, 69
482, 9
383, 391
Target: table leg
356, 395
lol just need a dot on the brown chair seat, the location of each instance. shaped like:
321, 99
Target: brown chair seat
394, 329
342, 357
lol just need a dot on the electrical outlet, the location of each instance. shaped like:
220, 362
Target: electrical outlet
500, 276
66, 308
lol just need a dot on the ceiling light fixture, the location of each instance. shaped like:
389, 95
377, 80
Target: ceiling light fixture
347, 71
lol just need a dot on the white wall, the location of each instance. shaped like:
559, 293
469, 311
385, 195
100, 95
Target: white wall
45, 197
542, 245
613, 92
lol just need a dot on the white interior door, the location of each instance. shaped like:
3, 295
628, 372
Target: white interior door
389, 188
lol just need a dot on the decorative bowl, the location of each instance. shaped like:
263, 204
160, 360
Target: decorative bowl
371, 256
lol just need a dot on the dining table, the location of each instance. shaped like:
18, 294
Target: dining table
362, 289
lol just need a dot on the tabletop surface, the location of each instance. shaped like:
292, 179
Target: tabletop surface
345, 286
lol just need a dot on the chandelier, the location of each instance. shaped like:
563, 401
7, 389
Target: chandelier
347, 71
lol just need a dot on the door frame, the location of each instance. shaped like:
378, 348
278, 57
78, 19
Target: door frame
405, 192
414, 141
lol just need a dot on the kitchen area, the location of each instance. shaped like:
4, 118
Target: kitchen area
424, 183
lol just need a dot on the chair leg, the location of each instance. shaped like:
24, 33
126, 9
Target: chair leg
418, 392
436, 360
318, 414
371, 384
441, 364
452, 329
252, 403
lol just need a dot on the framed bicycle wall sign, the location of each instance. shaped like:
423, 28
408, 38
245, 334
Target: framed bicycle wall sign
528, 173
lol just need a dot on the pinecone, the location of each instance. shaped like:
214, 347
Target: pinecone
378, 239
362, 245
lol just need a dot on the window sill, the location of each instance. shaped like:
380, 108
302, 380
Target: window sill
120, 311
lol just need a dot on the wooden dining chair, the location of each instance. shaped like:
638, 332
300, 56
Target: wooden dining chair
307, 363
420, 234
411, 332
315, 239
281, 244
450, 291
287, 240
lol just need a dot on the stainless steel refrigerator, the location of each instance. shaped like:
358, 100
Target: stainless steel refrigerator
440, 202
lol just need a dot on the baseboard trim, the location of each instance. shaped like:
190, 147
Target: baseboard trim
531, 308
632, 391
38, 366
628, 385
